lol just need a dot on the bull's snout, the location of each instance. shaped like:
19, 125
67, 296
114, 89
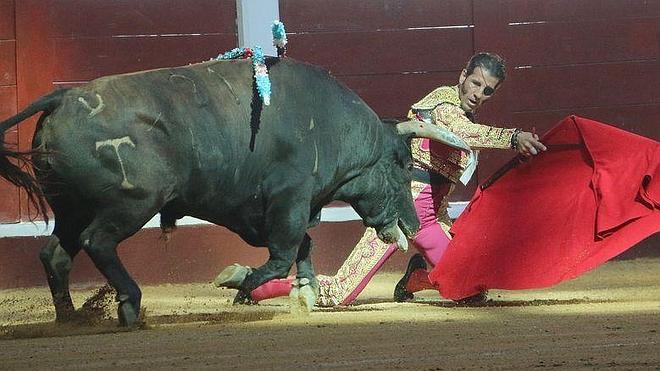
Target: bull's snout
399, 233
410, 229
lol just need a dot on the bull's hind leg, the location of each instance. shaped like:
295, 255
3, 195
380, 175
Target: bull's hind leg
57, 256
57, 262
100, 240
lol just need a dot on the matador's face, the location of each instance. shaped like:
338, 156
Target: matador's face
476, 88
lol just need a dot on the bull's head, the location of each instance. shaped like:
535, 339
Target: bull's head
381, 194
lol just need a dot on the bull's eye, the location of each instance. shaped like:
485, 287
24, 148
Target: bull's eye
410, 166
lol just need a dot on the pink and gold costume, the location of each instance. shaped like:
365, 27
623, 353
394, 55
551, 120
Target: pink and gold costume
441, 107
443, 166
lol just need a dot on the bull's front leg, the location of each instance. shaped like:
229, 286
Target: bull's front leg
305, 289
286, 221
278, 266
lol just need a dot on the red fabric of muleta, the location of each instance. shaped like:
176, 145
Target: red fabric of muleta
591, 196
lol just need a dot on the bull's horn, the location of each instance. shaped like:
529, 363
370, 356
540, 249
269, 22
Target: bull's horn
401, 240
422, 129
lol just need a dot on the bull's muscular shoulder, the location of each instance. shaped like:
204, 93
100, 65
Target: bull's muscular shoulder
443, 94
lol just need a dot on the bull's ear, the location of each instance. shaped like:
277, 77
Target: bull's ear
422, 129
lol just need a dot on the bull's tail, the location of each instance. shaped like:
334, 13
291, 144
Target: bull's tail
12, 170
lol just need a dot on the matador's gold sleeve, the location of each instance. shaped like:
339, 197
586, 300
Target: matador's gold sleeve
411, 115
475, 135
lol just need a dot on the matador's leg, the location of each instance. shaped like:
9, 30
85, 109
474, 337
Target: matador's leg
341, 289
367, 257
431, 240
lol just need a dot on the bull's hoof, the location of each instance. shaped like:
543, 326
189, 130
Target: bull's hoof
244, 298
232, 277
65, 315
66, 318
302, 297
127, 313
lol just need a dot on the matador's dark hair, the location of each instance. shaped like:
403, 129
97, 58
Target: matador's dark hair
490, 62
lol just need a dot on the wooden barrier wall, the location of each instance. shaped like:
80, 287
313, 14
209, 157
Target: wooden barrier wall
9, 195
66, 43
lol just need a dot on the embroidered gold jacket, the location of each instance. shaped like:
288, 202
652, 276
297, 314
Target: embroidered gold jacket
443, 107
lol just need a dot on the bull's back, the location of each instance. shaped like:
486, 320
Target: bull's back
141, 131
199, 134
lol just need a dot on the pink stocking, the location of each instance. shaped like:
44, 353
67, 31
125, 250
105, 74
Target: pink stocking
432, 239
272, 289
431, 206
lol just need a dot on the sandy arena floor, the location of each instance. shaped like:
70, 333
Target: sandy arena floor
609, 318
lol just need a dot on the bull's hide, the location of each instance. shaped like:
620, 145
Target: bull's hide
197, 141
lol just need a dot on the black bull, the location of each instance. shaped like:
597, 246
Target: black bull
197, 141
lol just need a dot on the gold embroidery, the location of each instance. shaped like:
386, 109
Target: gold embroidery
334, 290
444, 105
367, 253
443, 94
475, 135
416, 188
445, 161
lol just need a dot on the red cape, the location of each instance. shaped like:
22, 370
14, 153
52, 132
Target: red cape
591, 196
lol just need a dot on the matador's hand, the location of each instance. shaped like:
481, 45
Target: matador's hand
529, 144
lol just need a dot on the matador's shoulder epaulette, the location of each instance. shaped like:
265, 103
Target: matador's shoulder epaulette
443, 94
